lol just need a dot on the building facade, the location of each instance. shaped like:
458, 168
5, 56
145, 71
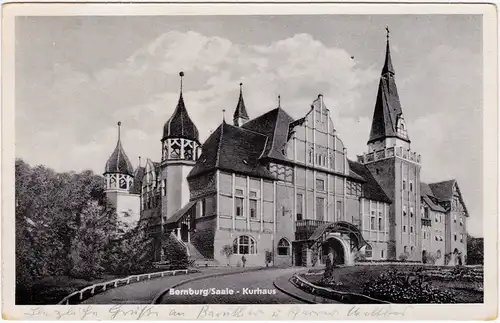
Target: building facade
278, 189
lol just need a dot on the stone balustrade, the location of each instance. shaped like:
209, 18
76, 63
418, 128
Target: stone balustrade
389, 152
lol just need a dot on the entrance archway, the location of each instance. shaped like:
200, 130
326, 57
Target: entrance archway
335, 249
424, 256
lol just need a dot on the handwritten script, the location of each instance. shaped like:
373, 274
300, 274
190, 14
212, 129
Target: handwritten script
207, 312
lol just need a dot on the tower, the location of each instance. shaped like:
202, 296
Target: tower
119, 176
180, 150
395, 166
240, 116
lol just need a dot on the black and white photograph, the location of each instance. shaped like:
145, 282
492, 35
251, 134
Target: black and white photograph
222, 159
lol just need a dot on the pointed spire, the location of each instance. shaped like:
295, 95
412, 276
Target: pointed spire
240, 114
279, 101
387, 119
388, 68
224, 115
139, 161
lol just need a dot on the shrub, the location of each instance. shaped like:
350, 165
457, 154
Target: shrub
398, 287
403, 257
227, 251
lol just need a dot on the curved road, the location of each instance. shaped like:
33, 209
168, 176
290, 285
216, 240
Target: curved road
254, 287
145, 291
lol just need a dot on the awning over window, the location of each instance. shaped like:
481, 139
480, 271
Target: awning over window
179, 215
343, 227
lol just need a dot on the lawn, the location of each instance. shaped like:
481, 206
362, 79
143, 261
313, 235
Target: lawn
353, 279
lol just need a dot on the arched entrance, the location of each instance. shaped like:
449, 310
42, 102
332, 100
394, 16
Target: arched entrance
424, 256
334, 249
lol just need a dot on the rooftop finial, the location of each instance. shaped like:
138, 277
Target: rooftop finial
388, 32
119, 126
223, 115
139, 161
181, 74
241, 87
279, 101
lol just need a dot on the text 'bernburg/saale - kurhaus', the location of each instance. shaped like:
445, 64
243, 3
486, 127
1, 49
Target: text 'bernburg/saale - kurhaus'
275, 184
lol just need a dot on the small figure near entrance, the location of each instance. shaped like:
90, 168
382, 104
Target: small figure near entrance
243, 260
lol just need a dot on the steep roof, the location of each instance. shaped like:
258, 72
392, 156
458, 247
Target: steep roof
180, 124
118, 162
428, 196
443, 191
371, 188
275, 126
137, 184
387, 106
232, 149
241, 110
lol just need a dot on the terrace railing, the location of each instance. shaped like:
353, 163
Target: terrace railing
90, 291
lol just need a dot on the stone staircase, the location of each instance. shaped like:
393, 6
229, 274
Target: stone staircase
198, 258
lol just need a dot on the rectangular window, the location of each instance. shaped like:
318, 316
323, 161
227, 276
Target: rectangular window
426, 213
411, 229
253, 209
437, 217
380, 224
164, 188
382, 254
339, 210
320, 184
461, 237
455, 217
455, 237
411, 186
404, 210
320, 208
239, 206
238, 192
253, 194
203, 207
372, 223
404, 185
461, 221
411, 212
404, 228
300, 201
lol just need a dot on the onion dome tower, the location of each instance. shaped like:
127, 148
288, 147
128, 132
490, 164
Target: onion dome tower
118, 171
180, 150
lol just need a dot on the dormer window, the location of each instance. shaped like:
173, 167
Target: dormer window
401, 127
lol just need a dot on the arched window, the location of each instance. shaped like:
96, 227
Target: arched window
175, 150
438, 254
283, 247
123, 183
112, 182
188, 150
244, 245
368, 251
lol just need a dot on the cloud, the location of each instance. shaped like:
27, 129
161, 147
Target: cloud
69, 122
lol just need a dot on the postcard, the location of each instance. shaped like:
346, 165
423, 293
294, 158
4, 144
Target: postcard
249, 161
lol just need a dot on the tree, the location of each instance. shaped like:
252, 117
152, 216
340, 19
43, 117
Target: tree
269, 257
475, 250
227, 251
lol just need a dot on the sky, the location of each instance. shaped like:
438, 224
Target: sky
76, 77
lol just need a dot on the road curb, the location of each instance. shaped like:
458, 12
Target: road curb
332, 294
163, 292
289, 293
